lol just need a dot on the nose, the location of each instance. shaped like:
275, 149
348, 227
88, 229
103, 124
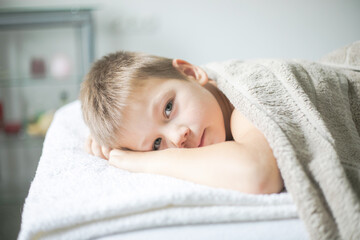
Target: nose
179, 136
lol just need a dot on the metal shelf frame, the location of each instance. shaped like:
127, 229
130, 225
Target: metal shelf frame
49, 18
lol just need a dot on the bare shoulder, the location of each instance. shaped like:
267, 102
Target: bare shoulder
257, 147
251, 137
240, 126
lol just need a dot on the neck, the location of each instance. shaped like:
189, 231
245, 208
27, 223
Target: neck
225, 105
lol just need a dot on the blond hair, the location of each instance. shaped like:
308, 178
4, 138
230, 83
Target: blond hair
109, 85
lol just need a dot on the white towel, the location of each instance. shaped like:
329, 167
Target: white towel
78, 196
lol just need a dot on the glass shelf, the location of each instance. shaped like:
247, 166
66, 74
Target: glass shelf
19, 156
20, 140
45, 53
49, 81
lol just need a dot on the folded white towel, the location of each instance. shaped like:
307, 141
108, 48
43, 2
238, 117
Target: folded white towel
78, 196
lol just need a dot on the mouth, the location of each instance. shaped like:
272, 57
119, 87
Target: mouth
202, 140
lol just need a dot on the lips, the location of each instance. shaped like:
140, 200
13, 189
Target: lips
202, 140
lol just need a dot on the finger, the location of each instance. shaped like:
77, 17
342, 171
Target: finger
113, 157
96, 149
115, 152
126, 160
106, 152
88, 144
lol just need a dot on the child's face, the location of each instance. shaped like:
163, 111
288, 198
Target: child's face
172, 113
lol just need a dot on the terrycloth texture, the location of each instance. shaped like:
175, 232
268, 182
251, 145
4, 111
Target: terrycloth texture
310, 114
302, 108
78, 196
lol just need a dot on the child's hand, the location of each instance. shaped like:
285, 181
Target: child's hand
93, 148
130, 160
156, 162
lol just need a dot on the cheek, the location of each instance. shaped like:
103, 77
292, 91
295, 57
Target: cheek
203, 111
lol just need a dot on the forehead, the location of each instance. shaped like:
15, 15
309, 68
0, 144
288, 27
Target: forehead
142, 87
147, 91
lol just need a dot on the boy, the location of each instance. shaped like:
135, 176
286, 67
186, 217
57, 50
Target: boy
165, 116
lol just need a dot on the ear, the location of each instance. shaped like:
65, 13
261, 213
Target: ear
191, 71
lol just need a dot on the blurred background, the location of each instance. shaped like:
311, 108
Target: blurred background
47, 46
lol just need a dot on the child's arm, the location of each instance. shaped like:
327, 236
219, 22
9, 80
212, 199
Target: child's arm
246, 164
238, 166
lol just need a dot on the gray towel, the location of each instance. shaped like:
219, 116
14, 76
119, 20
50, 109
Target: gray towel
310, 114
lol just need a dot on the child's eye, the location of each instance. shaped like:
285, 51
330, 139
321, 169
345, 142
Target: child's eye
168, 108
157, 143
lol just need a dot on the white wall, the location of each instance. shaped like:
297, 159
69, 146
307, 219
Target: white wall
210, 30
